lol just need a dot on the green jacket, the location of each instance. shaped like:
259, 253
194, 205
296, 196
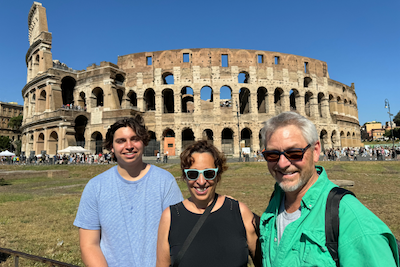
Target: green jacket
364, 240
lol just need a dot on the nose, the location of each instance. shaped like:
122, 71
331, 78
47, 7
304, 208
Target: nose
283, 162
201, 180
129, 145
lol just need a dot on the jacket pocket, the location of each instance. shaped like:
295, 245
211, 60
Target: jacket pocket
313, 250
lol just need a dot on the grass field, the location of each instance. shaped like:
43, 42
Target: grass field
36, 214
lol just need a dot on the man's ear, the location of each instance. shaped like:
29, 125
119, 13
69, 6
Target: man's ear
317, 151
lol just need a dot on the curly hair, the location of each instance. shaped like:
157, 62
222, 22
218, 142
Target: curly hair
136, 123
203, 147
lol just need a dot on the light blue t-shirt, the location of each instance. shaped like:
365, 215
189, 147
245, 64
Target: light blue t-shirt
127, 213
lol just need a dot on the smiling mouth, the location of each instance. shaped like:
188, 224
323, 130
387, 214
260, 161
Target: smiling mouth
201, 189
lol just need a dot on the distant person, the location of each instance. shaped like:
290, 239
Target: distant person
120, 209
293, 226
227, 236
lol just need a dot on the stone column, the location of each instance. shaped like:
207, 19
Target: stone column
300, 104
333, 106
314, 107
285, 101
325, 107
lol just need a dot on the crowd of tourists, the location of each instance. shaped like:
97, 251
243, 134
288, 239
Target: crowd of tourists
45, 159
363, 153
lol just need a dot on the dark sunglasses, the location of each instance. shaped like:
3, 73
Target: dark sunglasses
193, 174
293, 154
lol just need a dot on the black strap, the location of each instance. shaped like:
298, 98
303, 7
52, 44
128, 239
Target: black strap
332, 221
193, 233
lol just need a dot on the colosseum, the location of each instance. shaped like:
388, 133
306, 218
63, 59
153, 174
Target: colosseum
219, 94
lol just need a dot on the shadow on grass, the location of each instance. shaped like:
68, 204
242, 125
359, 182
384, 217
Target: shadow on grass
3, 182
4, 257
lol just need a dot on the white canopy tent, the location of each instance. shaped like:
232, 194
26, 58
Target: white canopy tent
6, 153
73, 149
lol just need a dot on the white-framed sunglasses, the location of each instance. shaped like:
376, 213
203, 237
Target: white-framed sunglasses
208, 174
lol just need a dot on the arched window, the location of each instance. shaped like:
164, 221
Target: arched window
99, 96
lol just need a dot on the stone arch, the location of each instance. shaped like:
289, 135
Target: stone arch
294, 95
149, 99
187, 100
243, 77
132, 96
260, 138
208, 135
153, 147
246, 137
67, 90
227, 141
96, 140
80, 127
321, 97
98, 96
332, 104
82, 100
244, 100
120, 94
169, 141
40, 143
262, 100
323, 137
334, 139
168, 100
187, 138
307, 82
206, 96
53, 143
168, 78
206, 93
225, 96
307, 103
41, 105
278, 100
119, 79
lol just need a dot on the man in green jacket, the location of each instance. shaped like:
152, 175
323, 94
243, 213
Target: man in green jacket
293, 226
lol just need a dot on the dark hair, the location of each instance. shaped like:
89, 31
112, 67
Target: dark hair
203, 147
136, 123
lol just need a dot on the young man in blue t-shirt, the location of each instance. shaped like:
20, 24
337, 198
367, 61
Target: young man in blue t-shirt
120, 209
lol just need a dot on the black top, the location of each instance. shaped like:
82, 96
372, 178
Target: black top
221, 241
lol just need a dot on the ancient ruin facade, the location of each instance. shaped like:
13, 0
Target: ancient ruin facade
219, 94
9, 110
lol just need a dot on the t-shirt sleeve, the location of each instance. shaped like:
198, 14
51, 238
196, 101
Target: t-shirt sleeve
173, 193
87, 216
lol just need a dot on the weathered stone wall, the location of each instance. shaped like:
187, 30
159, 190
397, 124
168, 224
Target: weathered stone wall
220, 94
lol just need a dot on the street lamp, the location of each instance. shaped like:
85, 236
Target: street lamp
237, 115
387, 105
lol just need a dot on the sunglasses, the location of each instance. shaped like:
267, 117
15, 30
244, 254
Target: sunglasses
293, 154
193, 174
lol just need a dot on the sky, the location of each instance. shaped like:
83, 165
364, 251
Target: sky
359, 40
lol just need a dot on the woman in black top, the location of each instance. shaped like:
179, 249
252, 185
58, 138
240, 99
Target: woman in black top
227, 235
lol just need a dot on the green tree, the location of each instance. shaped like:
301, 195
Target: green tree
4, 142
15, 122
396, 119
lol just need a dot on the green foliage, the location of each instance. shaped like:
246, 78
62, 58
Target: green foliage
396, 133
396, 118
4, 142
15, 122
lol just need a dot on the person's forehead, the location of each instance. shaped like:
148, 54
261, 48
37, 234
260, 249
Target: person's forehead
124, 131
285, 133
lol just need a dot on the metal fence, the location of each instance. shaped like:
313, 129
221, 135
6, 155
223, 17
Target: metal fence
17, 254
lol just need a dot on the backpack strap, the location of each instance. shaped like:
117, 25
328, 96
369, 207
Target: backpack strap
332, 221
